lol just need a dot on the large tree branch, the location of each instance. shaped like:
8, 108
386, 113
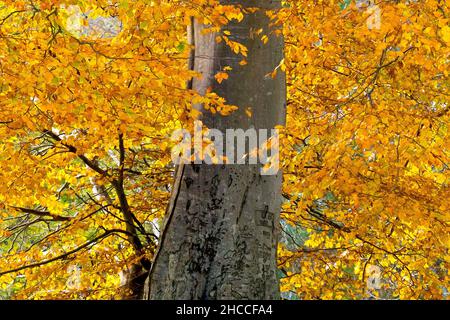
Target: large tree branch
91, 164
62, 256
42, 213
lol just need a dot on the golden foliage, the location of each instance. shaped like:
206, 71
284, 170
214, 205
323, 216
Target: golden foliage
90, 92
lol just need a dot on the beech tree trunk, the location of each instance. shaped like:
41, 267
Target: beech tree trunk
220, 236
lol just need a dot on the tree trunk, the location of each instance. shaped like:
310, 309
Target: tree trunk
220, 236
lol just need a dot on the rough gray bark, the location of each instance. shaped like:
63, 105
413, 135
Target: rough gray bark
220, 236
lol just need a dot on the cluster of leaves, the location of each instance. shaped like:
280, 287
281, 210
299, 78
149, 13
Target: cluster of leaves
367, 156
90, 92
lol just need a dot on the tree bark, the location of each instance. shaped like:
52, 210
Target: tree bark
219, 240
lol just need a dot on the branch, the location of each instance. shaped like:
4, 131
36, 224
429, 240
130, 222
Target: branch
91, 164
42, 213
345, 229
128, 215
44, 262
2, 21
